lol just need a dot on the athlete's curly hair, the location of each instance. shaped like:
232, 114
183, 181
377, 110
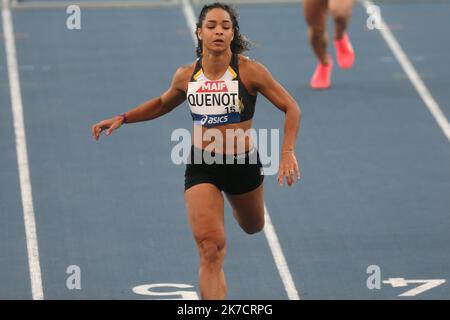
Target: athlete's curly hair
239, 43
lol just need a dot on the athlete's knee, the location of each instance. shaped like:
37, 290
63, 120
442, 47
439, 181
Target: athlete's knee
254, 227
340, 17
317, 33
212, 249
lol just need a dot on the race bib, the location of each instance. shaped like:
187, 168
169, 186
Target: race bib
214, 103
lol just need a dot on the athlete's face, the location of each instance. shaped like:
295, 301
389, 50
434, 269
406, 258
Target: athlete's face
216, 31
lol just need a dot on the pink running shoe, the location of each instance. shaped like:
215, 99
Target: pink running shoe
322, 75
344, 52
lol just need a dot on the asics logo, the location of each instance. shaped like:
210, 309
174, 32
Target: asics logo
213, 119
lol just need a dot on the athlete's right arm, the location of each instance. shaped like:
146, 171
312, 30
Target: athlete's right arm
150, 109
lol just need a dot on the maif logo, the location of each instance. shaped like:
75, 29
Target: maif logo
213, 86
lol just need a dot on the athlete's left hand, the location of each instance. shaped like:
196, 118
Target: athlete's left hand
288, 166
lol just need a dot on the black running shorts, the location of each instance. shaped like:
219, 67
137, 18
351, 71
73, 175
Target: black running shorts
233, 174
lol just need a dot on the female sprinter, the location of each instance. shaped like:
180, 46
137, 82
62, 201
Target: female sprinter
316, 12
232, 82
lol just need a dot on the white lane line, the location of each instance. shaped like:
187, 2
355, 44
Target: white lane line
189, 14
269, 230
278, 256
412, 74
22, 156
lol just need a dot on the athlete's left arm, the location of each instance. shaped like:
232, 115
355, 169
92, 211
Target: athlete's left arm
263, 82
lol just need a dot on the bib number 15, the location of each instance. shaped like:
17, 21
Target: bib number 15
230, 109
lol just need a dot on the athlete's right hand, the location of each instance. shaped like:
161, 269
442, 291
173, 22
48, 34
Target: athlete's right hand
108, 124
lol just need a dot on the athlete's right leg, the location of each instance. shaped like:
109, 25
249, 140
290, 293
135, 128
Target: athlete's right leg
205, 207
341, 11
315, 12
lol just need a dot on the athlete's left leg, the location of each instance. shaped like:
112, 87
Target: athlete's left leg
248, 209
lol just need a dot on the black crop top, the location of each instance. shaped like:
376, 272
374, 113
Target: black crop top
222, 101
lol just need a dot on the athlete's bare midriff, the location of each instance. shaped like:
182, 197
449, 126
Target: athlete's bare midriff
233, 138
